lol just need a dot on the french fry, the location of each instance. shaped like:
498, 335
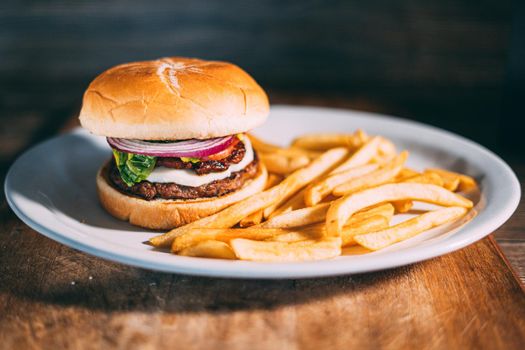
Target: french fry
294, 203
195, 236
312, 154
310, 232
326, 141
299, 217
302, 177
265, 147
406, 173
272, 180
403, 206
386, 148
364, 225
246, 249
355, 226
450, 182
426, 178
210, 249
281, 164
317, 213
380, 159
362, 156
386, 210
256, 217
318, 190
352, 168
383, 238
466, 183
354, 250
343, 208
378, 177
262, 146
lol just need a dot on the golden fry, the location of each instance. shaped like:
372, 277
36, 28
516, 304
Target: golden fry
318, 190
355, 226
386, 210
403, 206
281, 164
247, 249
326, 141
451, 183
386, 148
384, 238
352, 169
466, 183
317, 213
294, 203
362, 156
299, 217
406, 173
378, 177
311, 232
364, 225
272, 180
256, 217
300, 178
265, 147
426, 178
195, 236
343, 208
210, 249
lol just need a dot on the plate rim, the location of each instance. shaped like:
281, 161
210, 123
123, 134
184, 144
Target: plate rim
325, 268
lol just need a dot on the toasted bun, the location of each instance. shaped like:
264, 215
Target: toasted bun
173, 99
161, 214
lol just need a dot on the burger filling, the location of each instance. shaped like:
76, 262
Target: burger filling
215, 175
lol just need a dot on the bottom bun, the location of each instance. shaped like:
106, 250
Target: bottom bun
162, 214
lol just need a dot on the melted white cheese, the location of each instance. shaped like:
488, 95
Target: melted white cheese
188, 177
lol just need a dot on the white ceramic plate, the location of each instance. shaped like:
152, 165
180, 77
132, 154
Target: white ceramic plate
52, 189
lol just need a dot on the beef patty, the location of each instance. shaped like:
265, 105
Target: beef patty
206, 166
149, 190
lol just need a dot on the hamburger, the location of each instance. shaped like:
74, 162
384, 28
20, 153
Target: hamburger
177, 128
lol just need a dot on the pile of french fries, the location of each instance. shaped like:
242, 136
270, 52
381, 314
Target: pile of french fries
325, 192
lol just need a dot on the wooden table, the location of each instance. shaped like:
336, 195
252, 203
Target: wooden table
54, 297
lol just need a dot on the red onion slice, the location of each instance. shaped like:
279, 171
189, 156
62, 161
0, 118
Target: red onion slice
189, 148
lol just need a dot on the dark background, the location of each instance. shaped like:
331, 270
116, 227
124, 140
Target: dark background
455, 64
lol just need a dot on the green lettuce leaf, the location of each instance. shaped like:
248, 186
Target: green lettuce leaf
133, 168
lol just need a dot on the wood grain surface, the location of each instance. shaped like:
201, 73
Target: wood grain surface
54, 297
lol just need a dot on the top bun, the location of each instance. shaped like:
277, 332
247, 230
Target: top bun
173, 99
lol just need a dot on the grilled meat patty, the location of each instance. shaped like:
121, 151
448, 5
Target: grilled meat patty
148, 190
